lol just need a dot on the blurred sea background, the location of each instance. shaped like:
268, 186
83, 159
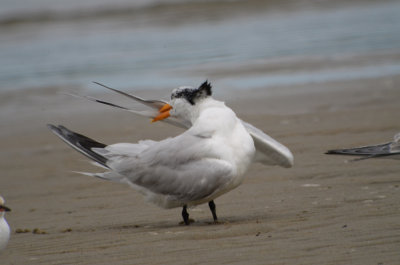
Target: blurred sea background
156, 44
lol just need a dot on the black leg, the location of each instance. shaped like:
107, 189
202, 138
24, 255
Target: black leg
185, 215
211, 204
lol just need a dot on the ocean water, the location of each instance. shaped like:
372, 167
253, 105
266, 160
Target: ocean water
164, 44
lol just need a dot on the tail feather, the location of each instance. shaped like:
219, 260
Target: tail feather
80, 143
111, 176
94, 163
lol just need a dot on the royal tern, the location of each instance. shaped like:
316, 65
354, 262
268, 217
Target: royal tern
207, 160
4, 228
386, 150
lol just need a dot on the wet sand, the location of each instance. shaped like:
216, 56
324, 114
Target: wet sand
324, 210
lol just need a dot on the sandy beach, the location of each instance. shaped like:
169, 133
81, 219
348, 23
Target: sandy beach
324, 210
315, 75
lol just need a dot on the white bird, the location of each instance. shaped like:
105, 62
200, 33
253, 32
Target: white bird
207, 160
386, 150
4, 228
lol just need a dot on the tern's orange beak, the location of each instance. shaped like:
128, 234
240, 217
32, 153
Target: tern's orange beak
164, 113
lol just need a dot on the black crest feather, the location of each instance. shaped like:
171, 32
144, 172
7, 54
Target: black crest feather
192, 95
206, 87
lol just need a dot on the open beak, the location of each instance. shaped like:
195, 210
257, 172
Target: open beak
4, 208
164, 113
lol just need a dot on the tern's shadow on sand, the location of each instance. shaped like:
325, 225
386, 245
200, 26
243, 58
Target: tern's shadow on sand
203, 222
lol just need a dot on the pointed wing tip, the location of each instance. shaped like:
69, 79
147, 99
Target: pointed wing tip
340, 152
290, 160
55, 129
85, 173
291, 163
100, 84
330, 152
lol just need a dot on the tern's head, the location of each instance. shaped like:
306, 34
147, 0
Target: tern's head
3, 208
183, 100
191, 95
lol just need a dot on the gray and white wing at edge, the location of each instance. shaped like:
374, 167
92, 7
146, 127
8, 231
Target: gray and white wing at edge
387, 150
268, 150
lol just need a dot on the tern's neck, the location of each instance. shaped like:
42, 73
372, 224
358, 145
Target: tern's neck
202, 105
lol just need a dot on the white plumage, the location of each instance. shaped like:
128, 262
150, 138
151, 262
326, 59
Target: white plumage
4, 228
207, 160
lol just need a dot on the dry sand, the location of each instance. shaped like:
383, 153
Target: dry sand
324, 210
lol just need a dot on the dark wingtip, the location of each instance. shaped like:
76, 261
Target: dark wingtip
100, 84
340, 152
79, 142
51, 126
55, 129
330, 152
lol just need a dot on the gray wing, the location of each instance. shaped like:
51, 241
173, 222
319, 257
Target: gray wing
152, 103
268, 150
391, 149
183, 168
371, 151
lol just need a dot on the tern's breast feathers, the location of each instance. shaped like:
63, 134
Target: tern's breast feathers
229, 138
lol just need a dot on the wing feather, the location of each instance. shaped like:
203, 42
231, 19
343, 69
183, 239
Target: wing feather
179, 173
268, 150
